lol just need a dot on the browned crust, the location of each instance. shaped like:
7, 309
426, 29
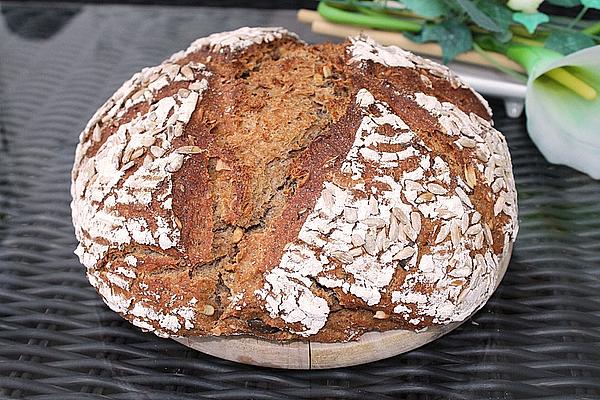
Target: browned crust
273, 128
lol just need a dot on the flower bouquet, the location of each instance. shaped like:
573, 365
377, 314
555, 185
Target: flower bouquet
558, 57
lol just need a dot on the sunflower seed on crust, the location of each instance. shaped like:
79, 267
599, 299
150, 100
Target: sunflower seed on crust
356, 252
237, 235
357, 240
489, 174
402, 235
177, 130
97, 133
183, 93
137, 94
455, 232
470, 176
436, 188
466, 142
499, 205
425, 197
463, 196
208, 310
402, 217
187, 72
157, 151
171, 70
175, 164
404, 254
350, 214
126, 156
128, 165
412, 185
381, 240
474, 230
442, 234
374, 222
394, 229
482, 153
380, 315
137, 153
373, 206
498, 185
426, 81
370, 245
328, 200
487, 232
148, 141
148, 160
410, 232
464, 223
415, 221
189, 150
343, 257
463, 294
478, 243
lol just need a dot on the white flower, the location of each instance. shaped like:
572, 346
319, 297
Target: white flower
564, 125
527, 6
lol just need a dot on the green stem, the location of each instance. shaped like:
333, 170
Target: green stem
369, 11
534, 58
343, 4
497, 65
350, 5
385, 22
527, 41
531, 57
578, 17
566, 21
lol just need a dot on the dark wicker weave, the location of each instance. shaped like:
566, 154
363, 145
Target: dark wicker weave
538, 337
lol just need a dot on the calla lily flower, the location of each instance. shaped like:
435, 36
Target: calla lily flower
563, 106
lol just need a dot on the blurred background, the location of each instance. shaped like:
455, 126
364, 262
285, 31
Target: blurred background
211, 3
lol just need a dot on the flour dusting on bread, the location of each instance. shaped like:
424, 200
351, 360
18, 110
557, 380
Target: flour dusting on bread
371, 231
253, 184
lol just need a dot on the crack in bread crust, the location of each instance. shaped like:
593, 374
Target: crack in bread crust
284, 190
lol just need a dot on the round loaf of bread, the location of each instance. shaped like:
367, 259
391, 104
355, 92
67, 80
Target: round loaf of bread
253, 184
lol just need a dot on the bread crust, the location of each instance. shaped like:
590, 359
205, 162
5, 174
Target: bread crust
254, 184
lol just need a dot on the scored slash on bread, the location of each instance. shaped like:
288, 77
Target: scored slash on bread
254, 184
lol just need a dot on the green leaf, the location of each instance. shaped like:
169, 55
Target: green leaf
498, 12
591, 4
504, 37
568, 42
427, 9
478, 16
530, 20
491, 43
564, 3
501, 15
453, 36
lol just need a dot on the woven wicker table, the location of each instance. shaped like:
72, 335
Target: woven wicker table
538, 337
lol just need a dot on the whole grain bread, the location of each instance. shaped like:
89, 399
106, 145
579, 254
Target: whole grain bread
254, 184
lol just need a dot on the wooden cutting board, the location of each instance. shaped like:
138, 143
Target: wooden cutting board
370, 347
